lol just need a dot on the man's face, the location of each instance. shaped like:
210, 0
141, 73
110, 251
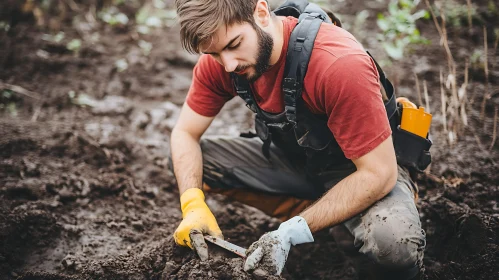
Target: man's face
241, 48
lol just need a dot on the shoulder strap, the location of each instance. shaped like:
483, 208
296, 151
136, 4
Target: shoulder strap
243, 89
296, 8
300, 48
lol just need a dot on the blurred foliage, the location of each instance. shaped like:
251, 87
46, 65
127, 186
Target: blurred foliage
398, 27
81, 99
456, 14
58, 37
74, 45
477, 59
86, 17
154, 14
121, 65
355, 24
113, 16
52, 14
145, 47
8, 102
492, 7
6, 96
4, 26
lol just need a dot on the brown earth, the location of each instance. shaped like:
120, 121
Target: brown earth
85, 191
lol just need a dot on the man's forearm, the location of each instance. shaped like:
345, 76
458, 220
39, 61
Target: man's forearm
187, 161
346, 199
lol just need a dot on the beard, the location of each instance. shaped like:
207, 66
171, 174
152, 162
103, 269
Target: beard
265, 46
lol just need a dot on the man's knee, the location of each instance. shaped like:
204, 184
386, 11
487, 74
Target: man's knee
397, 243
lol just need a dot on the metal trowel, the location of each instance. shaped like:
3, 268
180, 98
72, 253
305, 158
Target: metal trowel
201, 248
240, 251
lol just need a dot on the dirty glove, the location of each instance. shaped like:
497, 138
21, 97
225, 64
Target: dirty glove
271, 250
196, 216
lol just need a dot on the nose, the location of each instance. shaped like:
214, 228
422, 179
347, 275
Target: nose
228, 61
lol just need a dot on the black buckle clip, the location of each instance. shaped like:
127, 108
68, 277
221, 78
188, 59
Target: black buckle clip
251, 107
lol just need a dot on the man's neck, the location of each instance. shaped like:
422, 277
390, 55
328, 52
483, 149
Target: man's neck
278, 39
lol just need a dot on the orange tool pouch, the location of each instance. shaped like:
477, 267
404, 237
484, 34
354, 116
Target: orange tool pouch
410, 133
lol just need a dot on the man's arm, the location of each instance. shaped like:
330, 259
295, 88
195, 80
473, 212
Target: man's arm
188, 168
375, 177
185, 149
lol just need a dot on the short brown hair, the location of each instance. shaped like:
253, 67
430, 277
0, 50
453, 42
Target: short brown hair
200, 19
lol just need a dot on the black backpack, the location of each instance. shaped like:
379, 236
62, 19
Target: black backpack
412, 150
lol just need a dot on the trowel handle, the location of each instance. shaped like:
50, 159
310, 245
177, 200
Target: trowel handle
199, 244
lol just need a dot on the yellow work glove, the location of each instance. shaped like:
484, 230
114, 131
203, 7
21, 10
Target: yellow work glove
196, 215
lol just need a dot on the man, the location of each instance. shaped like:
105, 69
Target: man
361, 188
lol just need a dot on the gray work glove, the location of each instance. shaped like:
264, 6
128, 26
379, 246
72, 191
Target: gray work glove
270, 252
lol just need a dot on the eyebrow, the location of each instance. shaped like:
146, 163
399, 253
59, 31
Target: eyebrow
226, 46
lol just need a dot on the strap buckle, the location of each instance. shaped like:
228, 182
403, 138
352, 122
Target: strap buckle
251, 107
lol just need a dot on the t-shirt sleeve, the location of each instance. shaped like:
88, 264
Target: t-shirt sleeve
354, 106
210, 87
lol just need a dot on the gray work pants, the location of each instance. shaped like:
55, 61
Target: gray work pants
389, 232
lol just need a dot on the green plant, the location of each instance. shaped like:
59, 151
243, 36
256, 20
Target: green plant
154, 15
74, 45
146, 47
113, 17
399, 27
492, 8
7, 94
477, 59
121, 65
458, 14
81, 99
8, 102
5, 26
358, 25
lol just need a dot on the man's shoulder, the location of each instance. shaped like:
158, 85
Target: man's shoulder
335, 48
336, 41
337, 58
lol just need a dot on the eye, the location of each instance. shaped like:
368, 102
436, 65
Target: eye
235, 46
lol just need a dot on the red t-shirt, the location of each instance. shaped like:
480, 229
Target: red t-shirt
341, 82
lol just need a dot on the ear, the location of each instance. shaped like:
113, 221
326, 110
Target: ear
262, 13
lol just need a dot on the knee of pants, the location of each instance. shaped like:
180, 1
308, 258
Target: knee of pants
395, 243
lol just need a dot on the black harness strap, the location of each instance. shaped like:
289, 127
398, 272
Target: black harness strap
244, 91
297, 60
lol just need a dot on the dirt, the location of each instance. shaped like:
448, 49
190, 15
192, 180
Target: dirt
85, 190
